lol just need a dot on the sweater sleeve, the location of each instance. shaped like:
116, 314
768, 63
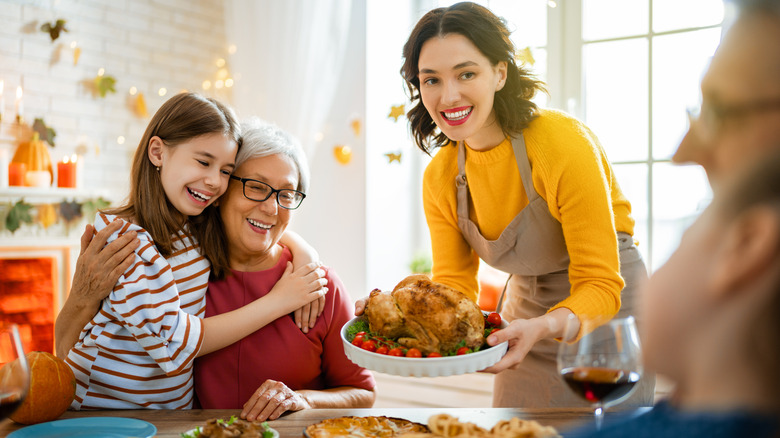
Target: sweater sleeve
146, 301
455, 263
574, 180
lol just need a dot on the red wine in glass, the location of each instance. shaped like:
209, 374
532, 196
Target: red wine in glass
600, 385
14, 373
604, 364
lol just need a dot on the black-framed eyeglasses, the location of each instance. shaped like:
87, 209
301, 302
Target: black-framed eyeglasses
712, 116
259, 191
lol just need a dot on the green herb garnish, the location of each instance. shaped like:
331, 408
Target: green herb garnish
361, 325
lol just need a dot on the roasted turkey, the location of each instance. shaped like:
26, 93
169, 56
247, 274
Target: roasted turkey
429, 316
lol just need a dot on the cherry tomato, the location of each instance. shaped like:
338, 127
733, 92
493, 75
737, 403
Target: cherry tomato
494, 319
463, 350
493, 330
369, 345
357, 341
396, 352
413, 352
383, 349
363, 334
434, 354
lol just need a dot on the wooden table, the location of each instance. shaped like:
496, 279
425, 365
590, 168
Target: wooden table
170, 424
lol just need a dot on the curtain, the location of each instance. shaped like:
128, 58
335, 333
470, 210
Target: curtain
288, 61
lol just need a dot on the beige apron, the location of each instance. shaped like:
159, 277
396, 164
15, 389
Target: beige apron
532, 248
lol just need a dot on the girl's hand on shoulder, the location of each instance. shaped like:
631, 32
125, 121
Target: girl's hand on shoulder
305, 317
271, 400
302, 286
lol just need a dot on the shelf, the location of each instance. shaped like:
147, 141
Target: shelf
48, 194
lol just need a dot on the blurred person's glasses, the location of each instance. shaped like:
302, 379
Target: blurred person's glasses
259, 191
709, 118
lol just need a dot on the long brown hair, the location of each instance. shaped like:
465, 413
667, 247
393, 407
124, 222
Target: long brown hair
512, 104
181, 118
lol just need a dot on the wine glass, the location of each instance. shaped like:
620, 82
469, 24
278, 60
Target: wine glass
604, 365
14, 373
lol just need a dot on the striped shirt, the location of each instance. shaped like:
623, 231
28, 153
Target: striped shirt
137, 352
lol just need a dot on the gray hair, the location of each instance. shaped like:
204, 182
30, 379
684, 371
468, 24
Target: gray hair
261, 139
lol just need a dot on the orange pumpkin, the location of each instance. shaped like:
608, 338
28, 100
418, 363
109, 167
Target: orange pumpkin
52, 388
34, 155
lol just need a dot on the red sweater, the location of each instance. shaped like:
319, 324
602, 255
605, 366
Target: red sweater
225, 379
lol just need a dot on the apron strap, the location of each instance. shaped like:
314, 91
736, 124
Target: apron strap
524, 166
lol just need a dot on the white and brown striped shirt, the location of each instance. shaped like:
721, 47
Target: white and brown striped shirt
137, 352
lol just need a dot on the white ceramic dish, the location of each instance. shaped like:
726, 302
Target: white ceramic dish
424, 366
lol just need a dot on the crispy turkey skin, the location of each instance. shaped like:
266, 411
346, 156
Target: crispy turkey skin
425, 315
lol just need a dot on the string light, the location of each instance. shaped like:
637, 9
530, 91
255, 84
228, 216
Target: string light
133, 91
162, 92
120, 139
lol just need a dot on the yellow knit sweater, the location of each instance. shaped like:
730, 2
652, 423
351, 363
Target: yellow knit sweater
570, 172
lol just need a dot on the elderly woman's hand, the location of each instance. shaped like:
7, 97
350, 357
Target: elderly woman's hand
271, 400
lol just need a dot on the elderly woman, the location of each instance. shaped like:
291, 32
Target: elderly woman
279, 367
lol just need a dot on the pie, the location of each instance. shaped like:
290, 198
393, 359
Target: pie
363, 427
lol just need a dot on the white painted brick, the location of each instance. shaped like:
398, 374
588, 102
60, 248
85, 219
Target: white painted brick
11, 11
127, 20
143, 43
9, 46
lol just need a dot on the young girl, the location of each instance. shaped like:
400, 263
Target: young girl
529, 191
711, 320
137, 352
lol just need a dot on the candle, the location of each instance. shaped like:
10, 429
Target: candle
37, 178
66, 172
19, 105
16, 173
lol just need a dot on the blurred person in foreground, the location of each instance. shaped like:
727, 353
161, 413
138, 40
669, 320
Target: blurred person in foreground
723, 279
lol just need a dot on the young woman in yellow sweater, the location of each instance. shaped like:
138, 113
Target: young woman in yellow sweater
529, 191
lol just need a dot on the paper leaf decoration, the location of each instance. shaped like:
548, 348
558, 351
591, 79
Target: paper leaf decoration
70, 211
105, 84
356, 126
393, 157
396, 111
140, 106
54, 29
76, 55
91, 206
19, 214
525, 56
343, 154
45, 133
47, 215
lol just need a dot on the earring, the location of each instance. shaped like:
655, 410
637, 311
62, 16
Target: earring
158, 169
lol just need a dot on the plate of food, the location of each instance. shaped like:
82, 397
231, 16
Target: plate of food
233, 426
363, 426
422, 329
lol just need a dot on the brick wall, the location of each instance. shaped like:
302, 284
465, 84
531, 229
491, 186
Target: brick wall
146, 44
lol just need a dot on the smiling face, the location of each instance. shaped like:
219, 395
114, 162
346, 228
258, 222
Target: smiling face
254, 228
458, 86
194, 173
